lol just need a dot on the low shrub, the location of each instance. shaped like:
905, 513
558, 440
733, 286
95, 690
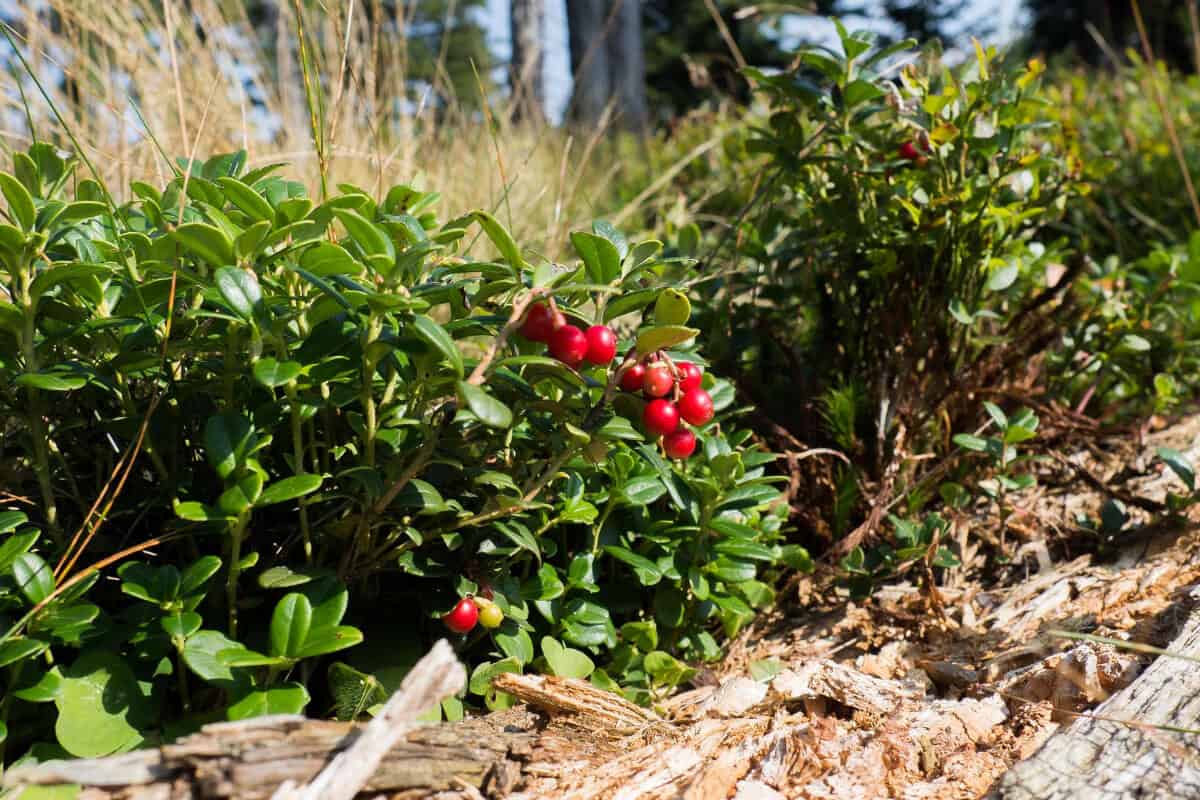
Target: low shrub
246, 429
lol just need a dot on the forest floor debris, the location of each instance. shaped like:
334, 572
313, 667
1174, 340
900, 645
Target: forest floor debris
829, 698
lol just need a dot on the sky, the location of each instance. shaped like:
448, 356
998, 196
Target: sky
1004, 14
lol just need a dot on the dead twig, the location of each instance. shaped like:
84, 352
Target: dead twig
1097, 483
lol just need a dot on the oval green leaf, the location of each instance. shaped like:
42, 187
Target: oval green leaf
289, 625
435, 335
491, 412
662, 337
290, 489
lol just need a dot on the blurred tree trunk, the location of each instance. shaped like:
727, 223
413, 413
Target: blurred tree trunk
589, 60
608, 61
627, 66
528, 48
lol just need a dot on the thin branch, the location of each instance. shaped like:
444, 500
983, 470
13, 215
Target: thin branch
514, 321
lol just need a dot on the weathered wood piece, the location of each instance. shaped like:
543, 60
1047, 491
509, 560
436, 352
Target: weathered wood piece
1114, 752
251, 759
434, 678
596, 707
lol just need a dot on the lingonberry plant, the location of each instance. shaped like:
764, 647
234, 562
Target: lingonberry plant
287, 427
888, 243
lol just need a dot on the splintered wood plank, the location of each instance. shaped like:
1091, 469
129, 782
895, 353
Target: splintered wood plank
1116, 752
259, 758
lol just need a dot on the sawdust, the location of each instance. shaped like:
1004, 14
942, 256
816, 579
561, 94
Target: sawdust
887, 698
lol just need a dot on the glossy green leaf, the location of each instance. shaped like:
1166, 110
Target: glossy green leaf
19, 649
501, 238
665, 669
289, 625
272, 373
435, 335
239, 288
64, 274
373, 240
239, 498
566, 662
33, 577
600, 257
286, 698
207, 242
329, 640
51, 381
11, 520
201, 654
325, 258
488, 409
646, 570
289, 489
248, 201
226, 438
514, 642
663, 337
20, 202
193, 511
182, 625
629, 302
81, 210
100, 706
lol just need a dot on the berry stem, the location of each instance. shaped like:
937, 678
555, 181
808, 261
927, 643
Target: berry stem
515, 319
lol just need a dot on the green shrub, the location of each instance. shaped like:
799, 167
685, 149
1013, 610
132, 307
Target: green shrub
1130, 352
1120, 147
897, 236
295, 427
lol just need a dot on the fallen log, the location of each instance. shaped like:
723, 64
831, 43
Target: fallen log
1140, 743
257, 758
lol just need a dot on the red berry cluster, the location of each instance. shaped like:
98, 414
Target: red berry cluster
570, 345
674, 394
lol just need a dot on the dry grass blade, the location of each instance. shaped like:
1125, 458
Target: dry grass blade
386, 132
1164, 109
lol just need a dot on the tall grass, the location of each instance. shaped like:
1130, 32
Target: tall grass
199, 78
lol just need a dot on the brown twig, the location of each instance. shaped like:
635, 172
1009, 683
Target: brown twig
515, 319
1093, 480
883, 499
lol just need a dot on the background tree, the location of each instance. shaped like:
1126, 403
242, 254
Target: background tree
688, 60
607, 62
923, 20
1065, 26
528, 25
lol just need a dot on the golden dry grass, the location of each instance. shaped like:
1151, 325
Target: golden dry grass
193, 82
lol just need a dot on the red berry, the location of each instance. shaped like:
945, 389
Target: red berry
909, 151
680, 444
601, 345
696, 406
691, 376
569, 345
660, 417
631, 380
462, 617
658, 380
539, 323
